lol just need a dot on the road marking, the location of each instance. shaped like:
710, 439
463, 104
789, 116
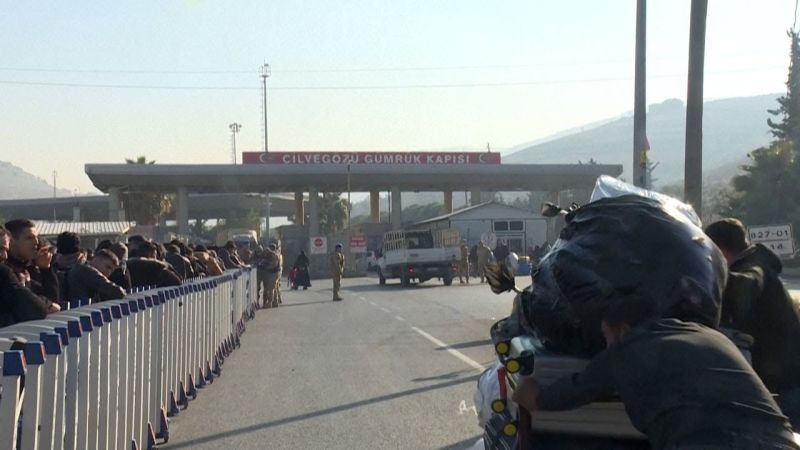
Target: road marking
384, 309
463, 408
469, 361
373, 303
362, 298
400, 318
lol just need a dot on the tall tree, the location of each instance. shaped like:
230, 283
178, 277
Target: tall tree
145, 208
332, 212
787, 128
769, 189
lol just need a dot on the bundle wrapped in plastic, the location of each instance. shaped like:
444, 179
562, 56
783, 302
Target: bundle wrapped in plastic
617, 248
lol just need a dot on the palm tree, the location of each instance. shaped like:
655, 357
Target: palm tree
139, 160
145, 208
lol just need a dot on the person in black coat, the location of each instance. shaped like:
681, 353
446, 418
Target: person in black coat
148, 272
303, 278
30, 260
121, 276
18, 303
756, 302
90, 281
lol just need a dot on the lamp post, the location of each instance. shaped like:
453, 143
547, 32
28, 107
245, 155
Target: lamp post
265, 73
235, 127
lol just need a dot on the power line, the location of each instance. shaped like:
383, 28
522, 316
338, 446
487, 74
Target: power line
102, 71
362, 87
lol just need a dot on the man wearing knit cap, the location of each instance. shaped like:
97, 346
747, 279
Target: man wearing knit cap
69, 254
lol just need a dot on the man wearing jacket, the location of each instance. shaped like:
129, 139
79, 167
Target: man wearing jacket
148, 272
18, 303
31, 261
756, 302
90, 281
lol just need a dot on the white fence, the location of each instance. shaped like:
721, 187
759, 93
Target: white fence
107, 375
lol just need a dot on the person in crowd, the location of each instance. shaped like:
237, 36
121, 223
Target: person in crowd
463, 264
473, 260
188, 253
683, 385
31, 262
756, 302
229, 261
88, 253
204, 263
501, 252
90, 281
18, 303
337, 271
179, 263
245, 254
212, 252
134, 241
121, 276
5, 243
303, 277
68, 255
147, 271
484, 256
105, 244
68, 252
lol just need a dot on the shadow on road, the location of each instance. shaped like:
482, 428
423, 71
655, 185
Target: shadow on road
446, 376
286, 305
322, 412
391, 287
462, 445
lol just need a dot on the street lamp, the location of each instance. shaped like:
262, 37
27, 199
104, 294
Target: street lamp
235, 127
265, 73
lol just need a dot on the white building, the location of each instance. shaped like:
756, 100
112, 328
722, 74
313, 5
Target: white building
521, 229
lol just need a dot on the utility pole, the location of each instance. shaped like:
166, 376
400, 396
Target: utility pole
693, 164
55, 174
348, 202
640, 98
235, 127
265, 73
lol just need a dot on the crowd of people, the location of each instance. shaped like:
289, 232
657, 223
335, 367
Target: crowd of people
38, 277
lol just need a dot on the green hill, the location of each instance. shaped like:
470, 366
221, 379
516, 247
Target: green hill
731, 128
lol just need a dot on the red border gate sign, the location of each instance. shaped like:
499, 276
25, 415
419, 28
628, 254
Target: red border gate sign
380, 158
358, 243
318, 245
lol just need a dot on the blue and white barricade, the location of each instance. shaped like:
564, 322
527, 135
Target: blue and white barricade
108, 375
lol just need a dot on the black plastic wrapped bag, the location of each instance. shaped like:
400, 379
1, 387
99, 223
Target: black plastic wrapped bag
619, 248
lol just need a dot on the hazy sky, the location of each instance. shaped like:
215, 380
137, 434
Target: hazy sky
347, 75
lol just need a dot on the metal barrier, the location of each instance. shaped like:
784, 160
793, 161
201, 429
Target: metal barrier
107, 375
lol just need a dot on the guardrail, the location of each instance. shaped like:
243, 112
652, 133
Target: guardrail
107, 375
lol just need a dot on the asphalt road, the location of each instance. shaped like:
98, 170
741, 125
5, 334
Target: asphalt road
388, 368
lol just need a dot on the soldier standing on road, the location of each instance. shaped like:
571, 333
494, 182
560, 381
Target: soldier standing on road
279, 254
463, 267
269, 264
337, 270
484, 255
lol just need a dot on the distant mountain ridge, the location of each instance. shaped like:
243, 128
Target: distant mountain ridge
15, 183
731, 128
